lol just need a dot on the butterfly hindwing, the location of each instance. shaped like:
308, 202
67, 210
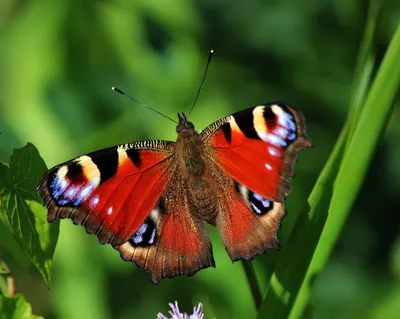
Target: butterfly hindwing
248, 223
110, 192
172, 241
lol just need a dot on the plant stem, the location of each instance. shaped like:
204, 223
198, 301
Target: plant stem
253, 283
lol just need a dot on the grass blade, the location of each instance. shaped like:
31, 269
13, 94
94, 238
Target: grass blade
290, 283
368, 130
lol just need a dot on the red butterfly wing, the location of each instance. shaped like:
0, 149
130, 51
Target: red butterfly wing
133, 197
255, 150
172, 241
258, 146
110, 192
247, 222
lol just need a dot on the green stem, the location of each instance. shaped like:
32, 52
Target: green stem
253, 283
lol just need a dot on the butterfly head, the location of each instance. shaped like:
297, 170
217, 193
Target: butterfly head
185, 129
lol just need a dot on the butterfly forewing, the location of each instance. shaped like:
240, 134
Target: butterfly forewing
258, 147
110, 192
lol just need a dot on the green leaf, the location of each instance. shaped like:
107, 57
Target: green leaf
6, 180
3, 269
3, 286
15, 308
22, 208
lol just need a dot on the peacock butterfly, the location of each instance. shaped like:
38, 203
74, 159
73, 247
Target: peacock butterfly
151, 200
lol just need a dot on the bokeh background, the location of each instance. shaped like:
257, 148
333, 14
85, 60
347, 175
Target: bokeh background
58, 62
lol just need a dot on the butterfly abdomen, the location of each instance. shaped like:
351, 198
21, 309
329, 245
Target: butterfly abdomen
204, 198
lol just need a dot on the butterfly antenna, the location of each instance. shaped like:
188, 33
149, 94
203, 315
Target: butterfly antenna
141, 104
202, 81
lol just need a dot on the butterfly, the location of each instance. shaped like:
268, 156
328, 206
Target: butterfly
151, 200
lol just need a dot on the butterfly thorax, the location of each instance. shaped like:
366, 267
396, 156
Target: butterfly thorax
191, 158
189, 148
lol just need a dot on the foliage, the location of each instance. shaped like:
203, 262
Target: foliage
15, 308
22, 208
59, 62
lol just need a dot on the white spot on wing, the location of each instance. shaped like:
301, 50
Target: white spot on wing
276, 140
138, 236
263, 135
63, 184
87, 191
256, 208
273, 151
71, 192
142, 229
94, 201
284, 118
281, 132
153, 235
137, 239
264, 202
109, 211
268, 167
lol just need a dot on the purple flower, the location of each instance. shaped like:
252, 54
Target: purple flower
176, 314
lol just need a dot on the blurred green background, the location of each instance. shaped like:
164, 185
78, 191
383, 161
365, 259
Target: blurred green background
58, 62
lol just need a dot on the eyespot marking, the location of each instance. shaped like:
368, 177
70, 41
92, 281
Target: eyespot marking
57, 187
67, 192
286, 126
146, 235
71, 192
272, 139
259, 204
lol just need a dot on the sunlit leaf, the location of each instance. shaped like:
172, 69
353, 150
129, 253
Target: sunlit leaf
15, 308
22, 208
3, 269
